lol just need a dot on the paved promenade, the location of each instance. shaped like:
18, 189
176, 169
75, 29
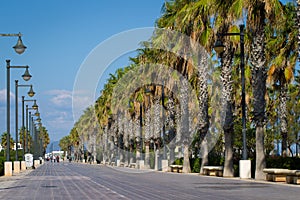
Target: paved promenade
83, 181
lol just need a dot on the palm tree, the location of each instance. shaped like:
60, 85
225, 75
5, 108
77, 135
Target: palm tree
224, 24
4, 141
185, 16
283, 50
298, 25
258, 12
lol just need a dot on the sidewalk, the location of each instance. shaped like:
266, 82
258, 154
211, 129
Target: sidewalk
52, 181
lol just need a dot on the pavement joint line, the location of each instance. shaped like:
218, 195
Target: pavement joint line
197, 174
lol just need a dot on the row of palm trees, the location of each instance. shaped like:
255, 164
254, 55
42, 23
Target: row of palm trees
43, 136
271, 46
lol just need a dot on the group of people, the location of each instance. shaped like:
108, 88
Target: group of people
54, 158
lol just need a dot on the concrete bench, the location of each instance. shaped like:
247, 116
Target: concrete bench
293, 178
132, 165
282, 175
122, 164
112, 163
213, 170
176, 168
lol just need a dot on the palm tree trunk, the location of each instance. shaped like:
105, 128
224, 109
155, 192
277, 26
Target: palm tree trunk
260, 155
228, 164
204, 154
283, 118
203, 105
185, 132
227, 101
186, 159
298, 24
147, 155
259, 90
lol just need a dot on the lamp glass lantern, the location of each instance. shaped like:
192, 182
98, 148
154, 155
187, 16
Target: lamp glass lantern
219, 47
26, 76
31, 93
35, 106
19, 47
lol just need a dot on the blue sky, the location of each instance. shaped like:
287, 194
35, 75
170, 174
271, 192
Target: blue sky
59, 35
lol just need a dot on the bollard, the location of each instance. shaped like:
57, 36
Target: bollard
8, 168
164, 165
23, 165
16, 167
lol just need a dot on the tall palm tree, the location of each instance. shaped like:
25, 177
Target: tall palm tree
283, 49
224, 24
298, 25
258, 12
193, 20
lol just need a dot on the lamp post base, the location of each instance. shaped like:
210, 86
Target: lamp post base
8, 168
245, 169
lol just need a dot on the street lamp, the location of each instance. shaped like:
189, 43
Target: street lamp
219, 48
35, 135
26, 76
30, 93
19, 47
23, 122
28, 126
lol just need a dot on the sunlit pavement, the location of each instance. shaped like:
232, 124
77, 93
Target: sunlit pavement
84, 181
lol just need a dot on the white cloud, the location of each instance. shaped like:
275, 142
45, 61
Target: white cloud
81, 100
3, 96
60, 98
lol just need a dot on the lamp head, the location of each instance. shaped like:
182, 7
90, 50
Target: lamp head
39, 120
37, 113
35, 106
26, 76
219, 47
31, 92
19, 47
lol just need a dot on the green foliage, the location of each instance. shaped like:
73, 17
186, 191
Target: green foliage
215, 160
2, 160
283, 162
152, 159
178, 161
195, 165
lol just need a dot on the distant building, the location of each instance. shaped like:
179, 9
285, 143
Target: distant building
14, 148
19, 146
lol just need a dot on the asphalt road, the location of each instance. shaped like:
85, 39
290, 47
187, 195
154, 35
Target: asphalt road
83, 181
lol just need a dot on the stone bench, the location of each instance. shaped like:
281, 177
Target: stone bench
132, 165
122, 164
282, 175
176, 168
112, 163
213, 170
293, 178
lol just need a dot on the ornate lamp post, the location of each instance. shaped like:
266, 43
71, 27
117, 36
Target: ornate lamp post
19, 48
219, 48
28, 128
35, 107
26, 76
30, 94
245, 165
35, 132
